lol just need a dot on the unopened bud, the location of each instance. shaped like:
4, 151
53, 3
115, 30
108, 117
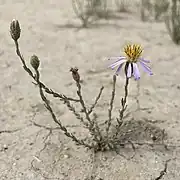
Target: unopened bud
75, 74
34, 61
15, 30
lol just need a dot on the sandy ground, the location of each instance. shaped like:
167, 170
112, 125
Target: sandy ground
27, 154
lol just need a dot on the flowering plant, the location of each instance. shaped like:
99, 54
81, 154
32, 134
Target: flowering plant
100, 140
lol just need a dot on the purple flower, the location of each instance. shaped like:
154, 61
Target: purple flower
131, 60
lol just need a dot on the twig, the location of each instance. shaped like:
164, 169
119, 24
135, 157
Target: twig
62, 97
77, 115
9, 131
111, 106
163, 172
45, 127
84, 16
96, 101
83, 103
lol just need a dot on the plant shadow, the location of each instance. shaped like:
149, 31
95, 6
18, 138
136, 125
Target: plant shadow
139, 132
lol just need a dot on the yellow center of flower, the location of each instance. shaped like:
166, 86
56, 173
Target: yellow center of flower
133, 52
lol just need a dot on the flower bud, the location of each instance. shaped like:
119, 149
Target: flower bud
15, 30
34, 61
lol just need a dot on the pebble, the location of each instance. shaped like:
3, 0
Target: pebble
5, 147
66, 148
66, 156
104, 158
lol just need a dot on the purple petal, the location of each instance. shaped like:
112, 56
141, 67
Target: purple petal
119, 69
136, 72
117, 57
146, 68
141, 62
129, 71
144, 60
117, 63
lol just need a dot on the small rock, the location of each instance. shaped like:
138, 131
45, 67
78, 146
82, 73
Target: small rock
17, 157
5, 147
154, 138
149, 111
66, 156
66, 148
104, 158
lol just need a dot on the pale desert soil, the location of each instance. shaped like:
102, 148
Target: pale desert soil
22, 156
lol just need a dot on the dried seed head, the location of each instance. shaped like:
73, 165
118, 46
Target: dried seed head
15, 29
75, 74
34, 61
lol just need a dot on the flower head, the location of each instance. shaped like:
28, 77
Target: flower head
131, 60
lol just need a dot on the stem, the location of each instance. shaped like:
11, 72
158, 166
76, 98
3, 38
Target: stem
124, 100
83, 104
96, 101
94, 131
137, 96
111, 106
48, 107
124, 106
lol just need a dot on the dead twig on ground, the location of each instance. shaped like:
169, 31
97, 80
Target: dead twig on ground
9, 131
164, 171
